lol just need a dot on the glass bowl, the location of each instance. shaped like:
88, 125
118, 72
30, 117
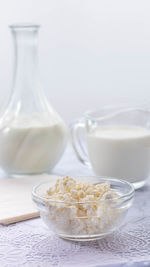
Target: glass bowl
82, 221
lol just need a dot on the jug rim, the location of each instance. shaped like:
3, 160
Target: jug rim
113, 110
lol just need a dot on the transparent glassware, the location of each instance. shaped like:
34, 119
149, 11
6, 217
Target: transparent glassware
33, 137
66, 219
115, 142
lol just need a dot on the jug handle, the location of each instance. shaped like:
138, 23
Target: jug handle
77, 143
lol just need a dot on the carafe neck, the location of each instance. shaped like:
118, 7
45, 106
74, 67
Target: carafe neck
26, 60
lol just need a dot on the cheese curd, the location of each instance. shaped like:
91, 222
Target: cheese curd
81, 208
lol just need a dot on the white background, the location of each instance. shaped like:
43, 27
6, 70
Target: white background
92, 52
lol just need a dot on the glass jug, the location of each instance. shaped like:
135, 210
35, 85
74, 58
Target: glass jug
115, 142
32, 135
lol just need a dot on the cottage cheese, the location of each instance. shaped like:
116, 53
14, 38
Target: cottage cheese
81, 208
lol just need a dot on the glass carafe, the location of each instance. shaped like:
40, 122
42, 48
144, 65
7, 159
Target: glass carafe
32, 135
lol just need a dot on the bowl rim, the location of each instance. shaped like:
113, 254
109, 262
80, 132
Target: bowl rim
124, 197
